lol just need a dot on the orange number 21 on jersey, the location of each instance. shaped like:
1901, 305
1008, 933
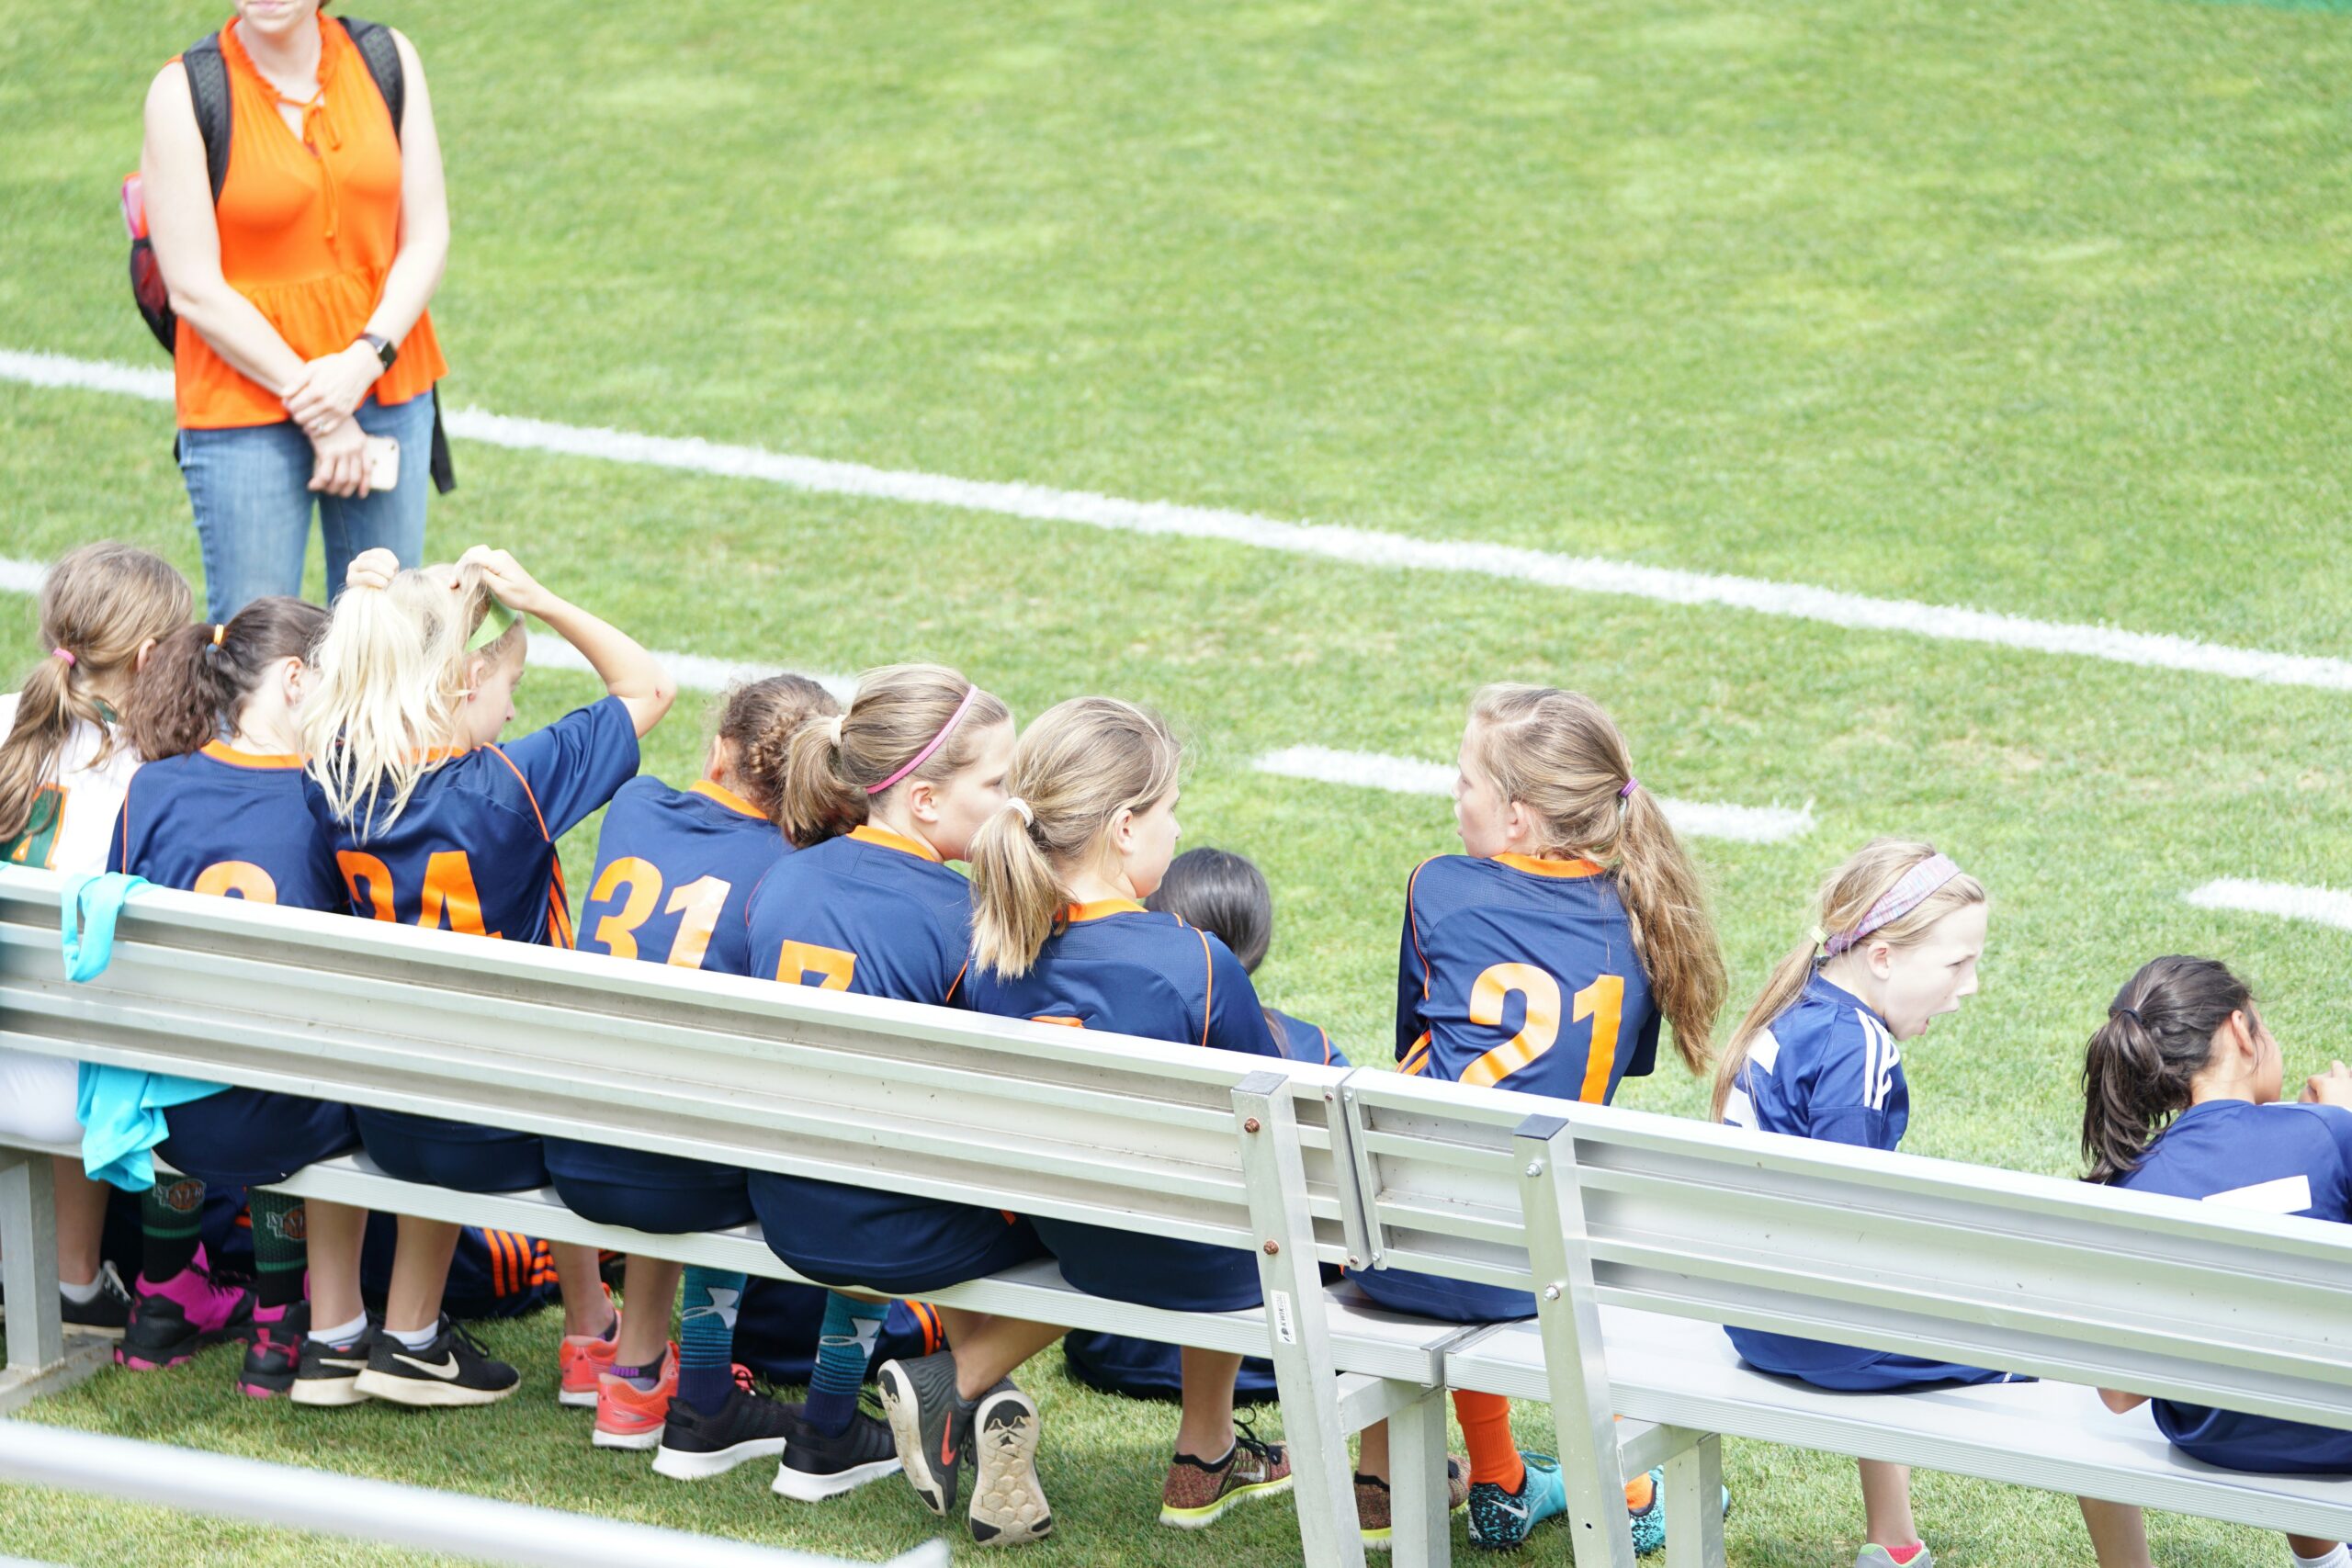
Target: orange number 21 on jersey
1604, 1001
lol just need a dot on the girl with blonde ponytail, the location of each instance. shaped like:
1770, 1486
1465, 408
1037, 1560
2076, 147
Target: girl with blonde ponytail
64, 766
881, 796
1894, 942
1543, 959
1060, 934
2182, 1095
433, 823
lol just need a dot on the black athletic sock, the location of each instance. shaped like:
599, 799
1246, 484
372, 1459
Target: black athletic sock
280, 1253
171, 1223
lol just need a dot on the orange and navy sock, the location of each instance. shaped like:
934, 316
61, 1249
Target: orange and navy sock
1486, 1431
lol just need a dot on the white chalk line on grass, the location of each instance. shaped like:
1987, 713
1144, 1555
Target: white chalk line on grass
2321, 905
1404, 775
699, 673
1360, 546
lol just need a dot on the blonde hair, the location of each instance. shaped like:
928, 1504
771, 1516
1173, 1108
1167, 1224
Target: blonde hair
1080, 765
835, 761
1844, 902
392, 673
101, 604
1560, 755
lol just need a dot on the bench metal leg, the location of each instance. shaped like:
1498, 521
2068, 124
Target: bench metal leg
1323, 1483
1569, 1317
1694, 1505
29, 1260
1421, 1531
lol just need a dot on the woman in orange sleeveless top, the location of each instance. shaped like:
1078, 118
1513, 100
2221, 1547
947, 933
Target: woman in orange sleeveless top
300, 297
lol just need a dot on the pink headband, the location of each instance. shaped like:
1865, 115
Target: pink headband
62, 653
1914, 888
920, 758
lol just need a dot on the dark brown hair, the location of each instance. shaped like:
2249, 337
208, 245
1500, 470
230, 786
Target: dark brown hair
2158, 1035
759, 720
199, 676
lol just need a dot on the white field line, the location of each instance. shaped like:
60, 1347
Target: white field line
2320, 905
1403, 775
1360, 546
695, 671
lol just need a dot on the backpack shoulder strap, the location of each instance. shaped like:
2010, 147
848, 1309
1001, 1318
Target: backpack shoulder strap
207, 90
382, 53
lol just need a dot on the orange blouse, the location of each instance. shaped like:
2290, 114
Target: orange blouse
309, 227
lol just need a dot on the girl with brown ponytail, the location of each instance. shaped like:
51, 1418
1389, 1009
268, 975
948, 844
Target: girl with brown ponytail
674, 872
1895, 938
64, 765
2181, 1089
1543, 958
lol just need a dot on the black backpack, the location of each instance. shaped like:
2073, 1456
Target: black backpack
207, 87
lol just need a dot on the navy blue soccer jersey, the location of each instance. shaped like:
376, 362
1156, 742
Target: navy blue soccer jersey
1304, 1041
1827, 1067
869, 912
475, 850
1520, 972
675, 873
230, 822
2273, 1159
1121, 967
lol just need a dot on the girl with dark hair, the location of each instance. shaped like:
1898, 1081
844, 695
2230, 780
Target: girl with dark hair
219, 809
2181, 1089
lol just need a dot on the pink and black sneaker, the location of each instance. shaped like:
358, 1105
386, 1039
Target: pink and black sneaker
275, 1353
171, 1322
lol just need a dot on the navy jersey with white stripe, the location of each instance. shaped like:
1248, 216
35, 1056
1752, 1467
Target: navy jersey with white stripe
2273, 1159
1520, 972
870, 912
225, 821
1118, 966
675, 873
1827, 1067
475, 848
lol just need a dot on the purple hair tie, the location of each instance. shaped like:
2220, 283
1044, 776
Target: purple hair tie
920, 758
1632, 783
1914, 888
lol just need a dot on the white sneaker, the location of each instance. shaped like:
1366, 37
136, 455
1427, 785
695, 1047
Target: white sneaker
1876, 1556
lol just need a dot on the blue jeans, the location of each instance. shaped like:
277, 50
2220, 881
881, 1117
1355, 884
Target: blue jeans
249, 487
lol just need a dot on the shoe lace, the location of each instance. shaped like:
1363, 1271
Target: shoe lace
1246, 1438
464, 1337
110, 1283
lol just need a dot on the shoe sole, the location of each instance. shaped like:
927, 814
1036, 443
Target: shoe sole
681, 1465
328, 1393
905, 1413
638, 1441
1208, 1515
419, 1394
805, 1486
576, 1398
1009, 1505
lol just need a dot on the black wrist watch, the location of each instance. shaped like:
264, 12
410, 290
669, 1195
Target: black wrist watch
386, 349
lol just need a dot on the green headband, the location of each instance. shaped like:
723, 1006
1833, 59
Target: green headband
496, 621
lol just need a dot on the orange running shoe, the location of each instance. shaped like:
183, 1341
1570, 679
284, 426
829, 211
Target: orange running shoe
582, 1359
631, 1418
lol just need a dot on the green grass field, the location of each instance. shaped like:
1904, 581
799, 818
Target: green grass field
2030, 308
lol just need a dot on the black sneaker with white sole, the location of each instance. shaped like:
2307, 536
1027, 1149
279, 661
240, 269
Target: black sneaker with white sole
928, 1424
452, 1368
750, 1425
328, 1374
1008, 1504
818, 1465
106, 1313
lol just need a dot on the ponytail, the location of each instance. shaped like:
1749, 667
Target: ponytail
1845, 906
99, 606
1075, 770
902, 716
392, 677
200, 675
2139, 1065
1560, 755
759, 720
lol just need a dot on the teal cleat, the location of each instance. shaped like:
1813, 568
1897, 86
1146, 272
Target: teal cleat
1501, 1520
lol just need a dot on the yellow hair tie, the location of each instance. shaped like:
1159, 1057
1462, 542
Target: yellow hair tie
219, 632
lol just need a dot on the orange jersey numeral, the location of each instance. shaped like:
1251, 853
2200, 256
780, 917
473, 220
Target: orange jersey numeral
798, 960
238, 879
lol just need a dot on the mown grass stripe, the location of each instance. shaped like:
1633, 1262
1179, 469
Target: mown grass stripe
1360, 546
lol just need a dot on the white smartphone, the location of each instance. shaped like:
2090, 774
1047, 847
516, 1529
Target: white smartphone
383, 463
